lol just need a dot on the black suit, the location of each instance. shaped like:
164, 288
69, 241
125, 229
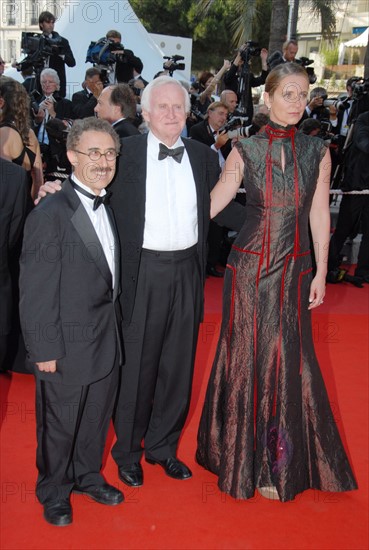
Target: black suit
69, 312
84, 104
58, 63
144, 408
125, 128
13, 207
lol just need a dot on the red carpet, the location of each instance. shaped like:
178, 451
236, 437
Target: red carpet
167, 514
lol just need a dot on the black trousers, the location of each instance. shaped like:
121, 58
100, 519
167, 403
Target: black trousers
353, 215
160, 346
72, 425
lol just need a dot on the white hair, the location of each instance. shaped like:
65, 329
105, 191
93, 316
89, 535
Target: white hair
53, 74
162, 81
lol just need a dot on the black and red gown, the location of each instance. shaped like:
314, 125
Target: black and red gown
267, 420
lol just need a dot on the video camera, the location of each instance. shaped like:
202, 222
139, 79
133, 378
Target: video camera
100, 52
252, 50
38, 47
172, 64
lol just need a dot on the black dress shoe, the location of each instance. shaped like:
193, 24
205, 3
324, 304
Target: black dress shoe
131, 475
210, 270
58, 512
172, 467
104, 494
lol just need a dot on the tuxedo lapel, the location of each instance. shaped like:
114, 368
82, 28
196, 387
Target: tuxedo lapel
85, 229
113, 225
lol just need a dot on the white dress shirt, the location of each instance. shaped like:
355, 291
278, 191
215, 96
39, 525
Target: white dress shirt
100, 221
171, 221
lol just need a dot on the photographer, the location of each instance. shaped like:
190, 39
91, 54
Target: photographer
50, 107
123, 61
354, 209
60, 51
233, 78
85, 101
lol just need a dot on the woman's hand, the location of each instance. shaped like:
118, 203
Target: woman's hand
317, 291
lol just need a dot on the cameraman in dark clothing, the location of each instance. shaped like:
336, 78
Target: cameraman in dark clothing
233, 75
125, 62
62, 54
354, 209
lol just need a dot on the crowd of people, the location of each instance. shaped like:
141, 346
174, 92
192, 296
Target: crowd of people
135, 186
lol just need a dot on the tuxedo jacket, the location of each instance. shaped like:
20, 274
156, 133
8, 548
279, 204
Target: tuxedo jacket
84, 104
69, 311
13, 207
203, 133
129, 198
125, 128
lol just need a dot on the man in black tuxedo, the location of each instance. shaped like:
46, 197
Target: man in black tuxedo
161, 198
70, 315
61, 51
161, 201
85, 101
117, 105
13, 207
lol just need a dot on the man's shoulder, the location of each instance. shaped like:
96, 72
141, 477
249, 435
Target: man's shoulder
79, 94
198, 146
55, 203
8, 168
130, 142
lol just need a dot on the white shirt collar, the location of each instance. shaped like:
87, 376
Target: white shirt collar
154, 142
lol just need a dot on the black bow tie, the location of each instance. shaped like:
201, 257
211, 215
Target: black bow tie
105, 199
165, 152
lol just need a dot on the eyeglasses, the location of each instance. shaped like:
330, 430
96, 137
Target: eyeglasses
110, 155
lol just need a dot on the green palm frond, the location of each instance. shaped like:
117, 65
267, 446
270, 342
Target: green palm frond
242, 25
326, 10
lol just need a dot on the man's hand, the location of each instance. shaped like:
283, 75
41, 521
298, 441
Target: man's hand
48, 187
96, 88
264, 57
221, 139
315, 103
47, 366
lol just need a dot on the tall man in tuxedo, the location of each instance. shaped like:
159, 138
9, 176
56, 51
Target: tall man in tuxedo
71, 323
161, 201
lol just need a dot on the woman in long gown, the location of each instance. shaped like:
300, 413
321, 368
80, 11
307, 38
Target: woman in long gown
266, 421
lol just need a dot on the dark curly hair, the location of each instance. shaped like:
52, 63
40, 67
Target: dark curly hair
16, 108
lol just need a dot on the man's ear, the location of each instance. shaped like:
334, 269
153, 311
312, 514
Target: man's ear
146, 115
72, 157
